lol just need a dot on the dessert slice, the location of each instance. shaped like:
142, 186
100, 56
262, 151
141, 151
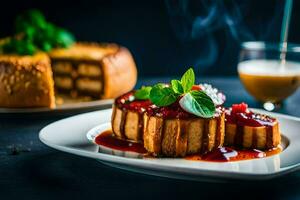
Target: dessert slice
168, 131
127, 117
247, 129
26, 81
93, 70
171, 131
172, 121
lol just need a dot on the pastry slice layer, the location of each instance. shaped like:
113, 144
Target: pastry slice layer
247, 129
181, 137
127, 118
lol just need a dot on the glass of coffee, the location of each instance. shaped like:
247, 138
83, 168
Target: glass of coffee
265, 76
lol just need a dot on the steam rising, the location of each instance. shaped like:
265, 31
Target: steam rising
197, 22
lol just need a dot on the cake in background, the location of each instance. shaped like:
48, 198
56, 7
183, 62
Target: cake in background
26, 81
93, 71
81, 71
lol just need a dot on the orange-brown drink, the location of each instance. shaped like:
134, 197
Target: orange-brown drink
268, 80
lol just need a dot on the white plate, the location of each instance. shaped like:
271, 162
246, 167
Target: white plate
64, 108
70, 135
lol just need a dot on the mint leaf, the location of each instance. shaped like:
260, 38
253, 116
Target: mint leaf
188, 80
162, 95
143, 93
198, 103
177, 86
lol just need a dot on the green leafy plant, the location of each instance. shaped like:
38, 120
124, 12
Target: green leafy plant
177, 86
143, 93
162, 95
33, 33
188, 80
196, 102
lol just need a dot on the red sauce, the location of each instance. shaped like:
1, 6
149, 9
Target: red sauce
227, 154
175, 111
240, 115
128, 102
222, 154
172, 111
107, 139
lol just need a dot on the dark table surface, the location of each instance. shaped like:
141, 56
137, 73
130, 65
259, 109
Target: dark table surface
39, 172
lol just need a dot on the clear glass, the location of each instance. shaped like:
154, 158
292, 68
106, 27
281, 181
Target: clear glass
265, 77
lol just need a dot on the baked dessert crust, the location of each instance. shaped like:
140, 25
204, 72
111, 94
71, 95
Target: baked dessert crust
119, 73
127, 124
84, 51
26, 81
262, 137
165, 135
181, 137
247, 129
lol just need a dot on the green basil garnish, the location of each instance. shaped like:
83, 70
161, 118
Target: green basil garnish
192, 101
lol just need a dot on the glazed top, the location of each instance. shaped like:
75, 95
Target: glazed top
240, 115
128, 102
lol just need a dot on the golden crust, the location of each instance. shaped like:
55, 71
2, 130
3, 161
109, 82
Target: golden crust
26, 81
181, 137
169, 137
84, 51
127, 124
152, 134
25, 62
119, 73
262, 137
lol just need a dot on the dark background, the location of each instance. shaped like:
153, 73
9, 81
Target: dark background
166, 37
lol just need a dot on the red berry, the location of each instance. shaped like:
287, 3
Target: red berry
239, 108
196, 87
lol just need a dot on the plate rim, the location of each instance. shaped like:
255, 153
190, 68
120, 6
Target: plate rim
211, 173
63, 107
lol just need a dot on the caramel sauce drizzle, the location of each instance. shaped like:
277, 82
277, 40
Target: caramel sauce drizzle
239, 135
122, 123
141, 126
269, 138
218, 133
205, 136
254, 139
